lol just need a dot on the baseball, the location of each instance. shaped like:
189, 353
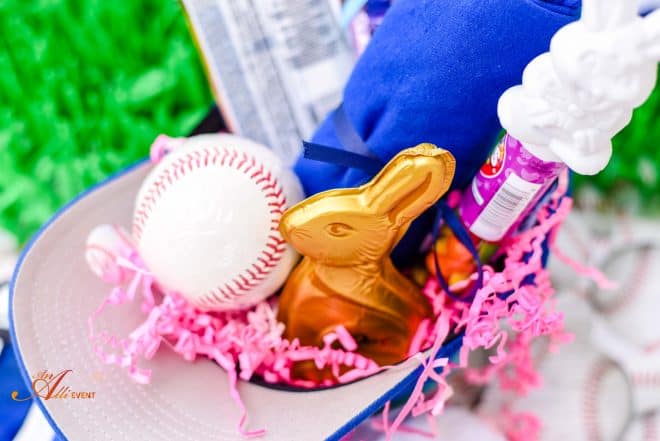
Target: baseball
206, 221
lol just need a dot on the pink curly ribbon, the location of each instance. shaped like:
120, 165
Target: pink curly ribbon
417, 404
126, 350
522, 426
513, 307
588, 271
382, 425
253, 339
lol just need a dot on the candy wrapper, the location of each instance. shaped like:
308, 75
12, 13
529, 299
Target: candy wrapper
347, 278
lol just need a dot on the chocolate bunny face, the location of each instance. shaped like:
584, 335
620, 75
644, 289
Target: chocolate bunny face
346, 277
356, 226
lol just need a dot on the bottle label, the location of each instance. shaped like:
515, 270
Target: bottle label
504, 190
505, 208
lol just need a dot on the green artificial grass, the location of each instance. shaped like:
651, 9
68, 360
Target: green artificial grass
85, 86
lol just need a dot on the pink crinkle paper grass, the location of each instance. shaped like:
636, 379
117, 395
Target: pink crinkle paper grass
243, 343
513, 307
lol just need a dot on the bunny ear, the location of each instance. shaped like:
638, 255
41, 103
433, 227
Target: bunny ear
602, 15
411, 182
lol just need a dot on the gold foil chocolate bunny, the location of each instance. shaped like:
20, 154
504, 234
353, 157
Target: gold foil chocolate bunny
346, 277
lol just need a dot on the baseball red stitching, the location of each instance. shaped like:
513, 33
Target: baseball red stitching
590, 398
633, 288
275, 246
650, 427
646, 378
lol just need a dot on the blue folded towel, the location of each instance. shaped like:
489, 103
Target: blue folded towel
434, 72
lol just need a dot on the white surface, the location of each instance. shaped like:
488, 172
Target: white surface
630, 332
637, 319
54, 296
455, 424
7, 264
7, 243
645, 428
616, 245
624, 335
576, 97
210, 224
564, 401
4, 309
642, 367
35, 427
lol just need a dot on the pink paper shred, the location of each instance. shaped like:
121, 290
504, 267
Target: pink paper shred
251, 340
249, 343
518, 426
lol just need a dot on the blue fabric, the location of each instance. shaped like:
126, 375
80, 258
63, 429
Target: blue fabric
434, 72
12, 413
377, 7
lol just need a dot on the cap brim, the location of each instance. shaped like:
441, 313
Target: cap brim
52, 296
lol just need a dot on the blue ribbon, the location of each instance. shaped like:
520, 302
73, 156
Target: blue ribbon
348, 136
342, 158
356, 154
448, 216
